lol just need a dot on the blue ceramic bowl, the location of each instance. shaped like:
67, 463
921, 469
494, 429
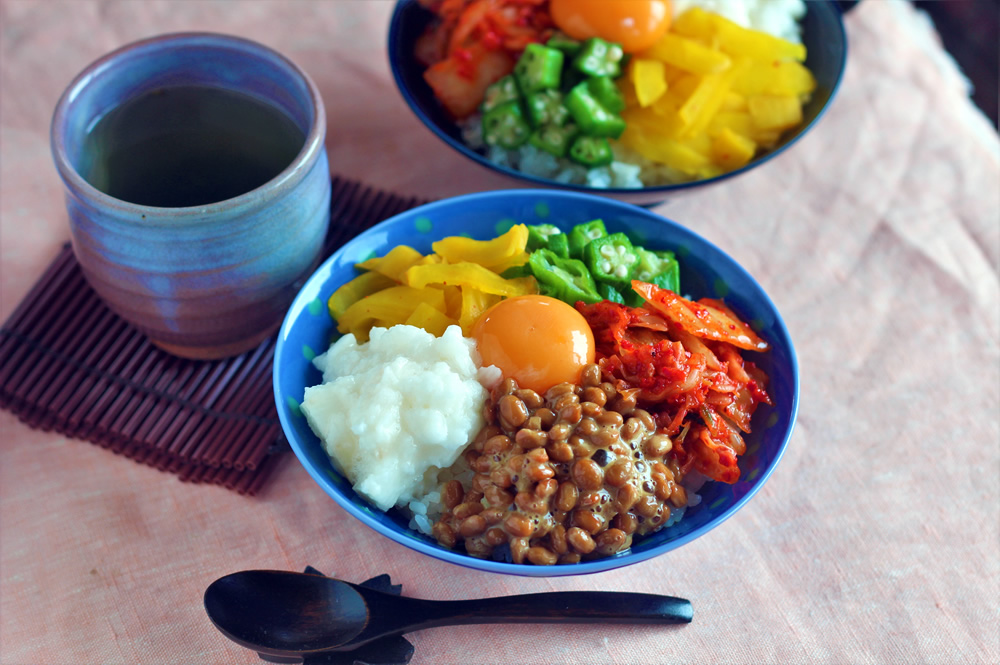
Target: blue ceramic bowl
822, 33
201, 281
705, 271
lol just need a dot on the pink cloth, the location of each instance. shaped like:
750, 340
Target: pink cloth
878, 237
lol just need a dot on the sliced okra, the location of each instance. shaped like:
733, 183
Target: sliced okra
505, 126
504, 90
554, 139
612, 260
599, 58
546, 107
590, 115
538, 68
591, 151
582, 234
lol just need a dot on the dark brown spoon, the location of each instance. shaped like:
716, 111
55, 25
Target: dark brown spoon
292, 615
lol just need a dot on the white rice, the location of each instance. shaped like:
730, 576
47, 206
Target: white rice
427, 509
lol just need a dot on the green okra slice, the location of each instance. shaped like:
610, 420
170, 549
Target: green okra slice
565, 279
591, 151
539, 234
538, 68
565, 43
503, 91
554, 139
505, 126
612, 260
597, 57
590, 115
581, 234
546, 107
655, 267
606, 91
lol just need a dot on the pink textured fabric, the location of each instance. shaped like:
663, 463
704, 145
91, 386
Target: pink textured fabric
878, 236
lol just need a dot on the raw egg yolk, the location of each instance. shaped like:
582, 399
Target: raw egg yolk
536, 340
635, 24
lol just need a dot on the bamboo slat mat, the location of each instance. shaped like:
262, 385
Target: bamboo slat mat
68, 364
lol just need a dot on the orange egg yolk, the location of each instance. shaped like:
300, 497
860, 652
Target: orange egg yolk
635, 24
536, 340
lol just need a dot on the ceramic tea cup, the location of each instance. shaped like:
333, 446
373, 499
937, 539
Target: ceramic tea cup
197, 187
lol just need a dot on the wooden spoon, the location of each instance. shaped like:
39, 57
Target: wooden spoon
292, 615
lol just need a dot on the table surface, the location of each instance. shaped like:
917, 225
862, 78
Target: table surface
878, 236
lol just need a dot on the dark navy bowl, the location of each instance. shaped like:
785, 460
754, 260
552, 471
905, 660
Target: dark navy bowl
822, 33
705, 272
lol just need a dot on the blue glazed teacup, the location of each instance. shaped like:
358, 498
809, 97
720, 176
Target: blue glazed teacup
201, 278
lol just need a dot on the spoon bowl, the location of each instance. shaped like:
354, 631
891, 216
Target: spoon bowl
293, 615
286, 613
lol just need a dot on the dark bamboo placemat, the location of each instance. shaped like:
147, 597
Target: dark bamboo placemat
70, 365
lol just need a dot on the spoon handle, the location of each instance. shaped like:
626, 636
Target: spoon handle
562, 607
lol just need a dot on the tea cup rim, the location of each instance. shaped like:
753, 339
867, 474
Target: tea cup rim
300, 165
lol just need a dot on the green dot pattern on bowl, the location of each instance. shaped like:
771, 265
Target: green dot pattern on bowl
315, 306
757, 324
753, 474
293, 406
721, 288
308, 353
504, 225
542, 209
423, 224
718, 502
772, 420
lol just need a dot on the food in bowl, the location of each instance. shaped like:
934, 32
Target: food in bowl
629, 94
600, 419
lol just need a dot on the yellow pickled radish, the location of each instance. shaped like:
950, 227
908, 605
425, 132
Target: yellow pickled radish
774, 112
390, 306
774, 77
499, 254
731, 150
356, 289
468, 274
688, 54
726, 93
474, 303
430, 319
393, 264
432, 292
649, 80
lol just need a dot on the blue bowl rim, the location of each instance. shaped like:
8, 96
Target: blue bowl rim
396, 27
628, 558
